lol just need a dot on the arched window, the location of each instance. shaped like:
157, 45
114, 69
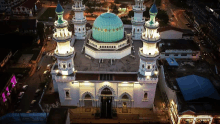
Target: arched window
142, 65
125, 97
133, 30
64, 66
79, 29
145, 95
83, 29
137, 30
148, 67
113, 30
69, 65
87, 96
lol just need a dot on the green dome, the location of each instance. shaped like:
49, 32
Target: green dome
108, 27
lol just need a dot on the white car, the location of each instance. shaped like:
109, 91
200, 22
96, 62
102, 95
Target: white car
25, 87
21, 94
33, 102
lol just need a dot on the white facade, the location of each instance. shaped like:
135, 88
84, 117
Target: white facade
134, 90
138, 19
79, 20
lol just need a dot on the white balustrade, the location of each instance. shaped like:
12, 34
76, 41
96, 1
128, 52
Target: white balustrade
62, 36
147, 55
64, 78
65, 23
139, 8
155, 25
136, 20
78, 7
150, 39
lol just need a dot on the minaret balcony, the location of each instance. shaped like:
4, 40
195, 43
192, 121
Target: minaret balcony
58, 25
148, 25
156, 54
68, 53
136, 21
62, 36
138, 8
79, 21
150, 40
79, 8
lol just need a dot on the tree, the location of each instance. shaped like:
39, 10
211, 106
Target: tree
131, 14
115, 10
40, 32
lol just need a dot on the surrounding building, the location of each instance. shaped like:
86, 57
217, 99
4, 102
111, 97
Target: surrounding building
189, 91
79, 20
4, 57
179, 49
138, 19
111, 76
28, 8
4, 5
7, 89
170, 32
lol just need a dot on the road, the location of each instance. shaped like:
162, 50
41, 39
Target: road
34, 81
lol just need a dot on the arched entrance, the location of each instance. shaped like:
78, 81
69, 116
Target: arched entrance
106, 103
88, 101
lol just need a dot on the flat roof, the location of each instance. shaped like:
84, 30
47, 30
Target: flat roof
178, 44
172, 62
126, 64
4, 52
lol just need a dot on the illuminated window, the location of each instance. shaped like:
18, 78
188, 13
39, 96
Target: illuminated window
67, 93
137, 30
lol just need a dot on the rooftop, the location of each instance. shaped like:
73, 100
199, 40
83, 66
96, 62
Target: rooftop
57, 116
29, 4
126, 64
4, 52
180, 44
186, 101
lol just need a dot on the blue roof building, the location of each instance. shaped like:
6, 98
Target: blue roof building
108, 27
194, 87
172, 62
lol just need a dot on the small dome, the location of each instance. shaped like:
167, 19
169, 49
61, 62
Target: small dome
153, 9
108, 27
59, 8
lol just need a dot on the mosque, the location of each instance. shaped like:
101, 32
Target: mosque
107, 67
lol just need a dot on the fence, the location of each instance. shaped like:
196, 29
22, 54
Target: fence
24, 117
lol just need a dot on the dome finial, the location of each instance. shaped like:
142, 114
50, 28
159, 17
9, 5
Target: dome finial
108, 8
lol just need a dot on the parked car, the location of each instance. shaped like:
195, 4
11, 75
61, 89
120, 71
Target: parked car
21, 94
33, 102
38, 68
24, 88
37, 92
49, 66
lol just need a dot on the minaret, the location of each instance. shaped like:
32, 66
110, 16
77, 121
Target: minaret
79, 20
138, 19
148, 71
63, 52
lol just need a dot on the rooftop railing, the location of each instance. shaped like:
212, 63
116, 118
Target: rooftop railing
64, 78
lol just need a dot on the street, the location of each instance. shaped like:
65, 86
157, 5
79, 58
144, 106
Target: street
34, 81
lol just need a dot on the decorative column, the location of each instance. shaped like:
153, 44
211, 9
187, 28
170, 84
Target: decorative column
79, 20
138, 19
